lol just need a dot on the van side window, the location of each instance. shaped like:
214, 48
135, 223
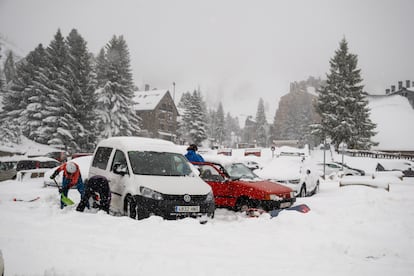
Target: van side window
101, 158
120, 161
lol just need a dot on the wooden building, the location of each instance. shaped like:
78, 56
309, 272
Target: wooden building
158, 113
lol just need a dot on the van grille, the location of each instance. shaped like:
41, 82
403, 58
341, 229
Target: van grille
180, 198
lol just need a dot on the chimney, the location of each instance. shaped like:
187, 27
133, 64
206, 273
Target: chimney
147, 87
400, 85
387, 91
407, 84
392, 88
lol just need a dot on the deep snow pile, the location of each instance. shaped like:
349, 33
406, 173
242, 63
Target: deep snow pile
353, 230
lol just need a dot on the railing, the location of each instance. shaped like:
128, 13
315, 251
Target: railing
380, 154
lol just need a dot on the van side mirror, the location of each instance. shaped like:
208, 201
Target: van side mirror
119, 169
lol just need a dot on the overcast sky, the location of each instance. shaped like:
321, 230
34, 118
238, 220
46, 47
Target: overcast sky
236, 51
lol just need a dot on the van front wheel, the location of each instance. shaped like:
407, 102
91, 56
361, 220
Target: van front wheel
130, 207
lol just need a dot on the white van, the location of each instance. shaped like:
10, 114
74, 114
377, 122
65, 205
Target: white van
151, 177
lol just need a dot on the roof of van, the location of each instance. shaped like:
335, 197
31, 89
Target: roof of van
140, 143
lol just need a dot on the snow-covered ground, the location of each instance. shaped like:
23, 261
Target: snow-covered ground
352, 230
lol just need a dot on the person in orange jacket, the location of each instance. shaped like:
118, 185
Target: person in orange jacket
71, 178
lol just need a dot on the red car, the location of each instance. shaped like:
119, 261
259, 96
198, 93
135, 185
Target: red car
236, 187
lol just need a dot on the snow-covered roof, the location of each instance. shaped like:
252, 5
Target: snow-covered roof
148, 100
140, 143
27, 147
393, 116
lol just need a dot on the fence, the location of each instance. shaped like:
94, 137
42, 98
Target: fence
381, 154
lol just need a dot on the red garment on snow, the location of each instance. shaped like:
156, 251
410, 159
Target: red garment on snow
73, 178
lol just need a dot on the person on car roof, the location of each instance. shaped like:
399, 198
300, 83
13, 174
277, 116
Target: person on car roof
192, 154
71, 177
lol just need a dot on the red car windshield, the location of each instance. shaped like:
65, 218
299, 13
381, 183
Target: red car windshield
238, 171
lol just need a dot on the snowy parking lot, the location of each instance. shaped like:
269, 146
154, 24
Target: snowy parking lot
351, 230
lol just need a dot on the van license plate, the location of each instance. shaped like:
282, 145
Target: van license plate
187, 209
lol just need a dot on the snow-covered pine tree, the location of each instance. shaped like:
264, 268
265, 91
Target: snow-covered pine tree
183, 123
9, 130
116, 116
232, 130
342, 104
17, 94
219, 128
9, 67
37, 96
82, 85
261, 125
59, 122
101, 68
2, 78
195, 116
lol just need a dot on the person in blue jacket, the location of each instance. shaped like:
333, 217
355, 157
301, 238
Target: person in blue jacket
192, 154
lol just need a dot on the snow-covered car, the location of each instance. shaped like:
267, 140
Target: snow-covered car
252, 165
33, 163
7, 170
405, 166
151, 177
236, 187
301, 175
35, 167
338, 169
83, 163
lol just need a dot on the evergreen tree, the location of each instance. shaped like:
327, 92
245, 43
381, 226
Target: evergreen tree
59, 123
342, 104
9, 129
115, 97
219, 133
9, 67
194, 119
261, 125
37, 92
183, 125
19, 90
82, 85
232, 131
101, 68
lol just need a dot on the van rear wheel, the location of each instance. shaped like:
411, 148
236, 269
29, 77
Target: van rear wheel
130, 207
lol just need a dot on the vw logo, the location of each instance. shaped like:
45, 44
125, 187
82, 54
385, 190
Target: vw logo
187, 198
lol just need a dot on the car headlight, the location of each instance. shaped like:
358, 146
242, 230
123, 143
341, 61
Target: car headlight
147, 192
292, 194
275, 197
210, 196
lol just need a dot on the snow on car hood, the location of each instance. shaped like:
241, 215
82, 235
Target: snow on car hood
281, 169
173, 185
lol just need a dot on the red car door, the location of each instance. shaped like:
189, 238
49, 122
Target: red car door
221, 189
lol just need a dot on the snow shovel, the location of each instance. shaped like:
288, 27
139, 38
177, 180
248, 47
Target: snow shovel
64, 198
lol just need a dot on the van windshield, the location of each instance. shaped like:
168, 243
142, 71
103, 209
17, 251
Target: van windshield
158, 163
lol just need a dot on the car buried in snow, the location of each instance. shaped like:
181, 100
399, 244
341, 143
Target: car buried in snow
236, 187
151, 177
300, 174
336, 169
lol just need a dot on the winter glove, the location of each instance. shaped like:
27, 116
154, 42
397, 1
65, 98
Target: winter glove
55, 173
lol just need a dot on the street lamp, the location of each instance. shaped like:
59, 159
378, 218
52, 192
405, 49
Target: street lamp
174, 92
327, 141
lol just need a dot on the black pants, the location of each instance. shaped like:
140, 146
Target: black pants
96, 187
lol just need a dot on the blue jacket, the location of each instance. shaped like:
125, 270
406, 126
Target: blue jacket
192, 156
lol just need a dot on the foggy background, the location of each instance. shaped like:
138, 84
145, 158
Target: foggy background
235, 51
